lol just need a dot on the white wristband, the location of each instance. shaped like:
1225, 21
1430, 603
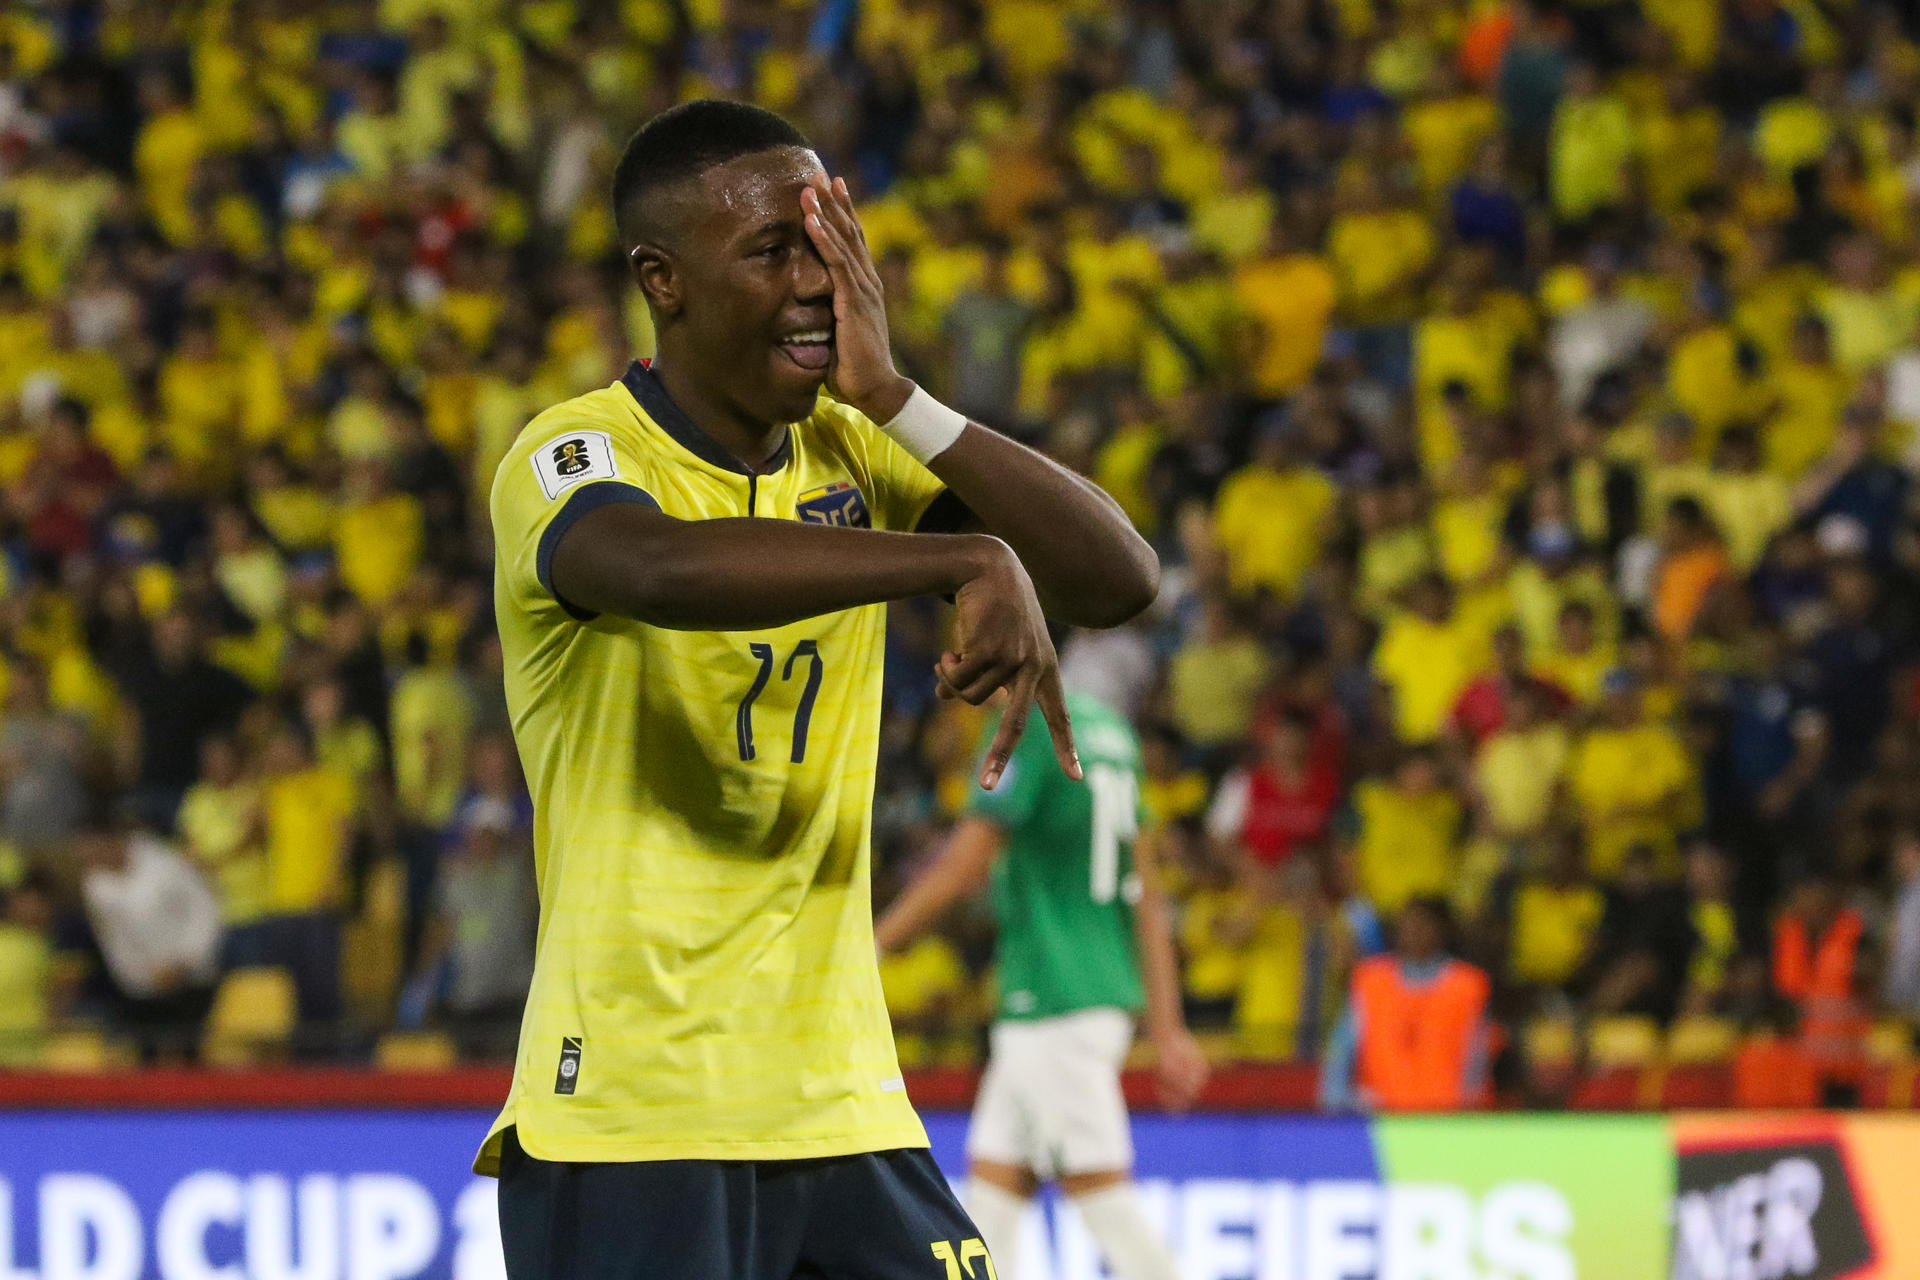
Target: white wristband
924, 427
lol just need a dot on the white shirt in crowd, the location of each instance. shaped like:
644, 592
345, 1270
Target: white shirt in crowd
1115, 668
153, 915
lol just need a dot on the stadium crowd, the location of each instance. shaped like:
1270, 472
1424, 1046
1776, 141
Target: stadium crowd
1523, 396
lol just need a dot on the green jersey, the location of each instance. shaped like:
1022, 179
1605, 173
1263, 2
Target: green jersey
1064, 887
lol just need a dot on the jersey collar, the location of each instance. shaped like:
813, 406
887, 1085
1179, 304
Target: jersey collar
641, 382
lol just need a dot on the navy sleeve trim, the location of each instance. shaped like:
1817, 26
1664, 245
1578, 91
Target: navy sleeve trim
582, 500
945, 514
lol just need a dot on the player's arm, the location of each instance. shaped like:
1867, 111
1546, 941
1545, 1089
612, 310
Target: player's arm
959, 869
1181, 1063
1089, 566
632, 560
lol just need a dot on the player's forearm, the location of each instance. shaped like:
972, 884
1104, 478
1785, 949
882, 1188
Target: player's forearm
917, 907
1159, 969
746, 574
958, 870
1088, 565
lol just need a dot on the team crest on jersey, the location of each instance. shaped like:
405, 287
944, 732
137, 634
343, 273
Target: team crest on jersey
566, 460
838, 503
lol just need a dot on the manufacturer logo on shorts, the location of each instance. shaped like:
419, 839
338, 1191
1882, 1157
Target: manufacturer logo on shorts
569, 1075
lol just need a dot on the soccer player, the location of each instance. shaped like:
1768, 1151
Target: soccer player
692, 570
1082, 924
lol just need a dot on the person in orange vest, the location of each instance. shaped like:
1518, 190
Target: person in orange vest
1816, 962
1414, 1034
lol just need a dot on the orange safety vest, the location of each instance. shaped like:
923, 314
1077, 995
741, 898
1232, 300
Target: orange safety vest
1416, 1040
1818, 977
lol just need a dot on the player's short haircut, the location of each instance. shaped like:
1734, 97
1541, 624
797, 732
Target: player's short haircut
685, 141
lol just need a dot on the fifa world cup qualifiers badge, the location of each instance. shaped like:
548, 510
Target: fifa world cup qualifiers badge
569, 1074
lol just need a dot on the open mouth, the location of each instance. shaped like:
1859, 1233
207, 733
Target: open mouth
812, 350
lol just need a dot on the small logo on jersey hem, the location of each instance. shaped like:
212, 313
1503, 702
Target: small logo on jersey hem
568, 1077
841, 503
892, 1084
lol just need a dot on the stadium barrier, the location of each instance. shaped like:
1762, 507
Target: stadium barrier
249, 1190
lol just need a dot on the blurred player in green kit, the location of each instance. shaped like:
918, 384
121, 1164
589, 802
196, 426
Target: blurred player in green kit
1085, 946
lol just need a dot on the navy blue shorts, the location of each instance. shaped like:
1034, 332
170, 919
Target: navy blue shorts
885, 1215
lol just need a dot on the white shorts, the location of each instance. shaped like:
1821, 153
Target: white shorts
1050, 1098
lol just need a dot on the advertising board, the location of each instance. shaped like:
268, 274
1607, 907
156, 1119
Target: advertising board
387, 1195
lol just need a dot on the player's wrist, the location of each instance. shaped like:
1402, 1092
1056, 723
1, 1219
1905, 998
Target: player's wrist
920, 424
884, 401
977, 556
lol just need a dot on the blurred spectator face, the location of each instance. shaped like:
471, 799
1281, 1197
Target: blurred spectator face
26, 689
1273, 449
198, 342
219, 761
1811, 345
1851, 588
27, 908
1855, 263
1739, 450
1620, 703
1510, 652
1418, 774
1684, 525
1159, 756
1674, 439
1639, 871
1575, 627
1289, 743
1816, 901
1906, 856
100, 851
1709, 874
158, 473
286, 751
174, 638
1523, 710
231, 532
1567, 862
1418, 933
1431, 598
323, 704
492, 765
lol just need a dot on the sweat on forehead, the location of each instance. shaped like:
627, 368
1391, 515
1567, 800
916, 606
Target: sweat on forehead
749, 189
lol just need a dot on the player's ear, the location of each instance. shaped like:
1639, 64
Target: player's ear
653, 273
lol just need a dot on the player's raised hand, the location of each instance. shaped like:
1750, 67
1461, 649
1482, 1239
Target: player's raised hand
861, 372
1002, 643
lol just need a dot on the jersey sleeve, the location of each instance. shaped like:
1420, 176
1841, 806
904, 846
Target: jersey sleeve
562, 467
1015, 800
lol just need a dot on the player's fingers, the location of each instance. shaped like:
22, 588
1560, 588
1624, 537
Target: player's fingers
821, 204
979, 688
1053, 705
961, 670
845, 200
1012, 724
848, 262
837, 211
832, 246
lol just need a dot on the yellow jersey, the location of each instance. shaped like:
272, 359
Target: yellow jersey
705, 985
